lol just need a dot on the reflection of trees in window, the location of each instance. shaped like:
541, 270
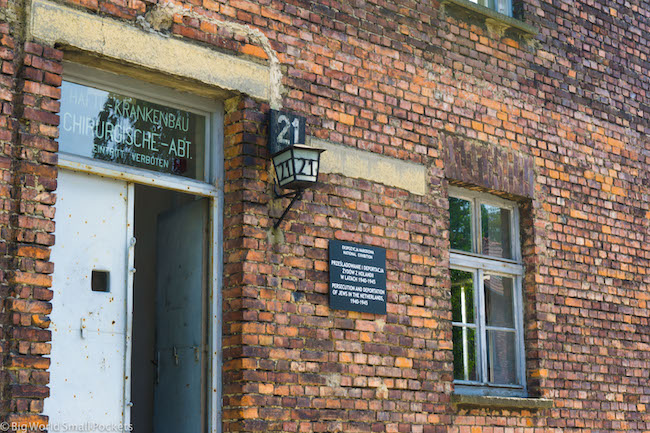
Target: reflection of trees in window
495, 231
101, 140
464, 328
460, 219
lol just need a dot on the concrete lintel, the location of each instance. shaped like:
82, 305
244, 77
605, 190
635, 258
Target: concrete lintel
54, 23
361, 164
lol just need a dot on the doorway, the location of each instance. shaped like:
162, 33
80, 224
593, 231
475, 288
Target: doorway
130, 307
169, 312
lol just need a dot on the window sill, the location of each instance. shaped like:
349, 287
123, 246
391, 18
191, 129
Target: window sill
514, 403
496, 22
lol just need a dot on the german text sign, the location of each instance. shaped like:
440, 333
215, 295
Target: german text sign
357, 277
130, 131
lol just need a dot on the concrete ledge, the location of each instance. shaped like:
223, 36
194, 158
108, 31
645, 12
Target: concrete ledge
360, 164
512, 403
491, 17
53, 23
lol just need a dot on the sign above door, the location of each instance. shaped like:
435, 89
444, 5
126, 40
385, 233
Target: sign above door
126, 130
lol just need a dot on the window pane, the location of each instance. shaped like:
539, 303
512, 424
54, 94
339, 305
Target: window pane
499, 301
502, 360
464, 353
112, 127
495, 228
462, 296
503, 7
460, 222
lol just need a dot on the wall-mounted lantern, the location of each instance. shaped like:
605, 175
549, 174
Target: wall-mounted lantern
296, 165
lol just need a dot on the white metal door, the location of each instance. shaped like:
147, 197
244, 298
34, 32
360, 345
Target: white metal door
180, 319
89, 328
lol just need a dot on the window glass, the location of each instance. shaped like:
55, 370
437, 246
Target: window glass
498, 301
501, 6
462, 296
460, 219
502, 360
464, 353
462, 301
122, 129
495, 230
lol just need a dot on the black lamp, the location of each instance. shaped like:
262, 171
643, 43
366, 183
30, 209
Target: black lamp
296, 168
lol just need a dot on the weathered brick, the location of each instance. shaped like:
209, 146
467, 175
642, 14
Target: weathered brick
31, 279
36, 362
27, 306
41, 116
42, 89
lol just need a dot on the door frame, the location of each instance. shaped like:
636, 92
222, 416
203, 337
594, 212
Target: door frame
212, 189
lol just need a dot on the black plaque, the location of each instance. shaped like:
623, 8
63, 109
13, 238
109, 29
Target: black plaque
285, 130
357, 277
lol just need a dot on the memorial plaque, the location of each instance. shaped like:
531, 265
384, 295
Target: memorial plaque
357, 277
125, 130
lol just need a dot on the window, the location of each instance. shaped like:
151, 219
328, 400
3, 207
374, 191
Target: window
486, 274
124, 124
502, 6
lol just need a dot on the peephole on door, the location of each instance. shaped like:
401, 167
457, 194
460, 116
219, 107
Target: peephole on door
99, 281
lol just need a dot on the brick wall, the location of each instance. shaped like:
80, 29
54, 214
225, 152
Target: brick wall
565, 116
6, 151
31, 75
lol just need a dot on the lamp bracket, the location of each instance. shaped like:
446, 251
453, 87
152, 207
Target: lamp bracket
278, 194
295, 196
